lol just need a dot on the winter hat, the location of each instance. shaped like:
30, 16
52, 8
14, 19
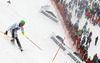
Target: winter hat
22, 21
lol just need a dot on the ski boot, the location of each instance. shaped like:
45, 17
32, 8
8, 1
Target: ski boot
12, 41
20, 49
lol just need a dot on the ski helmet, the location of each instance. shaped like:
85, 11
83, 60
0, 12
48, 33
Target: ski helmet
22, 21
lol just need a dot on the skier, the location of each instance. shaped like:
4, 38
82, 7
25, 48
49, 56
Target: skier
13, 29
96, 39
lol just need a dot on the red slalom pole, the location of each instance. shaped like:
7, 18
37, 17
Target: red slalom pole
33, 43
58, 50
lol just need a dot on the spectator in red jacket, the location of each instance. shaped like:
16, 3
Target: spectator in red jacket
89, 60
96, 20
90, 16
78, 42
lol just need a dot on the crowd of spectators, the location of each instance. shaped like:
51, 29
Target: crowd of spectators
81, 37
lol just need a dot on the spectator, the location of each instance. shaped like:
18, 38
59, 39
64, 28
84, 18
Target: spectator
89, 60
96, 39
94, 58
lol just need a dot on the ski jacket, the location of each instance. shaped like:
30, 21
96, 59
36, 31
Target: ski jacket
88, 61
16, 27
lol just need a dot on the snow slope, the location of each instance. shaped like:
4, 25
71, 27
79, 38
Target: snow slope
38, 28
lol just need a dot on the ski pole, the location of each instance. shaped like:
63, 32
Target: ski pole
31, 41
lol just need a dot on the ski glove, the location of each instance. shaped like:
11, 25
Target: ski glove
6, 33
22, 34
